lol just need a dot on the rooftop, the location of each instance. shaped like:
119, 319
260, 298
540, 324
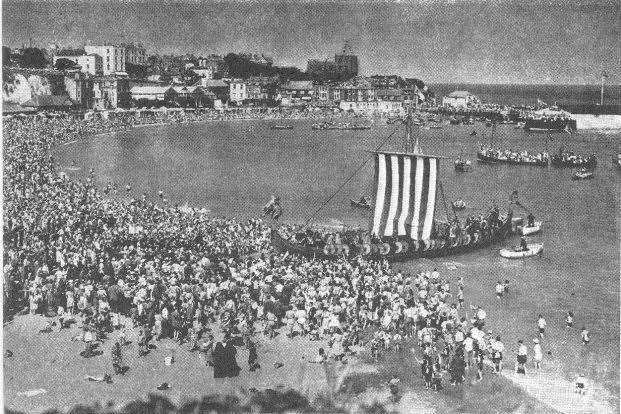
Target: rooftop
459, 94
149, 89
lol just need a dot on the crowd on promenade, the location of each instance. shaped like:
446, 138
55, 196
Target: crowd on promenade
73, 254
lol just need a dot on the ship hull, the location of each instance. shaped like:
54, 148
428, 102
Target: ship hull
394, 249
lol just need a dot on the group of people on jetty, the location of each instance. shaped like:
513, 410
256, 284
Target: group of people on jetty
542, 158
116, 266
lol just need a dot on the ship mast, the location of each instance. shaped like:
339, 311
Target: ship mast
601, 93
408, 145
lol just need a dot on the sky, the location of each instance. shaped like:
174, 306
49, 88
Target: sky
475, 41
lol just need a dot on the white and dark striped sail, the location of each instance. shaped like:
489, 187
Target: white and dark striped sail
405, 195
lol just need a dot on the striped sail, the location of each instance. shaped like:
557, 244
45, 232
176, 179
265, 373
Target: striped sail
405, 195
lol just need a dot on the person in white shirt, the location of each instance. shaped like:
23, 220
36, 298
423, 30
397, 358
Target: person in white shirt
569, 320
500, 290
468, 349
541, 323
584, 334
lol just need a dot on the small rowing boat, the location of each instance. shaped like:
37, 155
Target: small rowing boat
583, 174
459, 204
517, 253
526, 230
462, 165
362, 203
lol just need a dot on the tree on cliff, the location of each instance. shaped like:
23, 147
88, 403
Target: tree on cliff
64, 64
32, 57
6, 56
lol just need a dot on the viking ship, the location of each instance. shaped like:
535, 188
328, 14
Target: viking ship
403, 224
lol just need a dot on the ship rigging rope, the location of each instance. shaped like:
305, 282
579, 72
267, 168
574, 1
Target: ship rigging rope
349, 178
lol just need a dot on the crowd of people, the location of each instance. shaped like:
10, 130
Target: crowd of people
145, 116
72, 253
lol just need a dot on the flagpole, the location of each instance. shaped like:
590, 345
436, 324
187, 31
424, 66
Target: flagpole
601, 93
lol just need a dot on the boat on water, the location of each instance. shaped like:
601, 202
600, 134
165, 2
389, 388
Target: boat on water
569, 159
278, 127
364, 202
489, 155
526, 230
583, 174
550, 119
458, 205
462, 165
403, 227
517, 252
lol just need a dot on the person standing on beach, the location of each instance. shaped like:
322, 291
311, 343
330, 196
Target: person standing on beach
584, 334
500, 290
460, 297
479, 356
253, 357
520, 367
537, 353
541, 324
498, 350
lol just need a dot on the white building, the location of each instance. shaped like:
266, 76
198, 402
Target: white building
460, 99
237, 91
91, 63
113, 57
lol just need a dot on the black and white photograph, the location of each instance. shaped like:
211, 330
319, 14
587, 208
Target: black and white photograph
311, 206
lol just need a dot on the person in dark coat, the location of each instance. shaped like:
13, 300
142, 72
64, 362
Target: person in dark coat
219, 370
117, 358
231, 369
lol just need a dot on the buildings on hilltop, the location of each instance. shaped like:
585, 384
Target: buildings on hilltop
344, 66
101, 82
